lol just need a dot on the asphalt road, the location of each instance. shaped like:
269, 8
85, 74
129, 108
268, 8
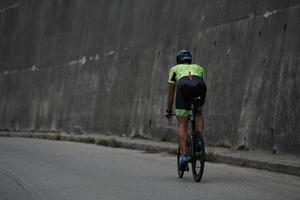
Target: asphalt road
43, 169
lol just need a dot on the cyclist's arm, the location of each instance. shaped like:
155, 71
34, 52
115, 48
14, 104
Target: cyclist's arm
171, 89
171, 92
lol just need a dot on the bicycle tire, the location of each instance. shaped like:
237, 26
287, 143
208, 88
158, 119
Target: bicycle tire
198, 158
179, 171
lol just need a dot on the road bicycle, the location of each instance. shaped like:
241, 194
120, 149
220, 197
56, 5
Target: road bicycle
195, 146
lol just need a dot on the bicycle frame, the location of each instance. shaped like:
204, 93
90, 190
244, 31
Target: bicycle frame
190, 142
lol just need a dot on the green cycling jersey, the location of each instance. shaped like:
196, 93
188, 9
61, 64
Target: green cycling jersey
182, 70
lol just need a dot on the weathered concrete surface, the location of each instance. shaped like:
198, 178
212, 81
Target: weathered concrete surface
102, 66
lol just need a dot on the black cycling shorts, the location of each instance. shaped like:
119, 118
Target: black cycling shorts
186, 88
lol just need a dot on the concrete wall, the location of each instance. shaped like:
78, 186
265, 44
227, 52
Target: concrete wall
102, 65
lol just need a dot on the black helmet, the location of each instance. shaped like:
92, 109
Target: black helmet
183, 56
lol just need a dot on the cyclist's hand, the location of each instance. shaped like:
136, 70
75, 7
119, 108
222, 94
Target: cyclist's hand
168, 114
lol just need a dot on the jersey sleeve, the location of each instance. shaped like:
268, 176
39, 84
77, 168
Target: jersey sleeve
172, 76
203, 73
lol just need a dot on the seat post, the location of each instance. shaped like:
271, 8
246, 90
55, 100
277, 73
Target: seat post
194, 120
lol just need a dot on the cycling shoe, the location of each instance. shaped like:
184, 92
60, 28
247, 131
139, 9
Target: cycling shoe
183, 162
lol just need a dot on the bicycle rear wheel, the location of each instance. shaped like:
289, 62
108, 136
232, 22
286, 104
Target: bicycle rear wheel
198, 159
179, 171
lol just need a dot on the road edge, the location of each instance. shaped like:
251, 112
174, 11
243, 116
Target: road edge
111, 141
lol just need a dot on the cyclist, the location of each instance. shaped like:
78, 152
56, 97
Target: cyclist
188, 79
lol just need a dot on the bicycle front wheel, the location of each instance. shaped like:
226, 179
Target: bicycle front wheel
198, 158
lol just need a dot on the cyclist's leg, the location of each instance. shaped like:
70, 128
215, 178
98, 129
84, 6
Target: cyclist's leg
201, 91
182, 111
199, 122
182, 132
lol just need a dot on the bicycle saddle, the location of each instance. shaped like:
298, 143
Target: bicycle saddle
196, 101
